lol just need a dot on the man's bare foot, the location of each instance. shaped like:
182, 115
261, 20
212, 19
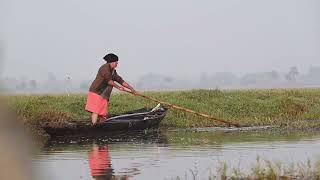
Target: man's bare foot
103, 119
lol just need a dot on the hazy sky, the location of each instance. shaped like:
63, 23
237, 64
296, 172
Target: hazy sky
179, 37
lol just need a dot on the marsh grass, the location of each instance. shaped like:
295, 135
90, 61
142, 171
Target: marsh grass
288, 108
264, 169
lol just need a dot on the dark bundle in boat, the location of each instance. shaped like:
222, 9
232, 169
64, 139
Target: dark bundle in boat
140, 119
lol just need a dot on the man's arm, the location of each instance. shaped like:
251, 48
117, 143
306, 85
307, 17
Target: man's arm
123, 83
105, 72
112, 83
127, 85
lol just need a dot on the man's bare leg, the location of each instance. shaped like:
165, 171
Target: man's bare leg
94, 118
104, 118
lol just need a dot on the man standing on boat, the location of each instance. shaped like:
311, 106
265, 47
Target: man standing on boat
101, 88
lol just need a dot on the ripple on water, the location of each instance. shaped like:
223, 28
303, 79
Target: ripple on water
141, 158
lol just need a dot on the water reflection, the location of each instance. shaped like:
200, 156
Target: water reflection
165, 155
100, 162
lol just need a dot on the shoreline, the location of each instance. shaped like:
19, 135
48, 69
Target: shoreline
295, 109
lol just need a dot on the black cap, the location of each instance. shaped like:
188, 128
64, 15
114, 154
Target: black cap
111, 58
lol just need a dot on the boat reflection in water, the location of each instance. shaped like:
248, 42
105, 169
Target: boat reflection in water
174, 153
99, 158
100, 164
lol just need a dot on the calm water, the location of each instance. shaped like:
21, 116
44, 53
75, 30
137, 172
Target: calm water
166, 155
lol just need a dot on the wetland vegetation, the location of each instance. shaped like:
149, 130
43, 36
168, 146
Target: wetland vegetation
287, 108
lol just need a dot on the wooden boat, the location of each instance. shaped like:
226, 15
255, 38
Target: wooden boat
135, 120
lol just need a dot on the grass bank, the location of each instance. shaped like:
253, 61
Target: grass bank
288, 108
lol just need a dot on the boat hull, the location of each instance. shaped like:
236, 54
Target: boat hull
131, 121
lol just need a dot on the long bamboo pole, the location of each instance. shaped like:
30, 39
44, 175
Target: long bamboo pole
185, 109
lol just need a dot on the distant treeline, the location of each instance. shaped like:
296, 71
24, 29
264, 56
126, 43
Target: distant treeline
151, 81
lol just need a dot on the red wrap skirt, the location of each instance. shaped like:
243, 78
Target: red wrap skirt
97, 104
